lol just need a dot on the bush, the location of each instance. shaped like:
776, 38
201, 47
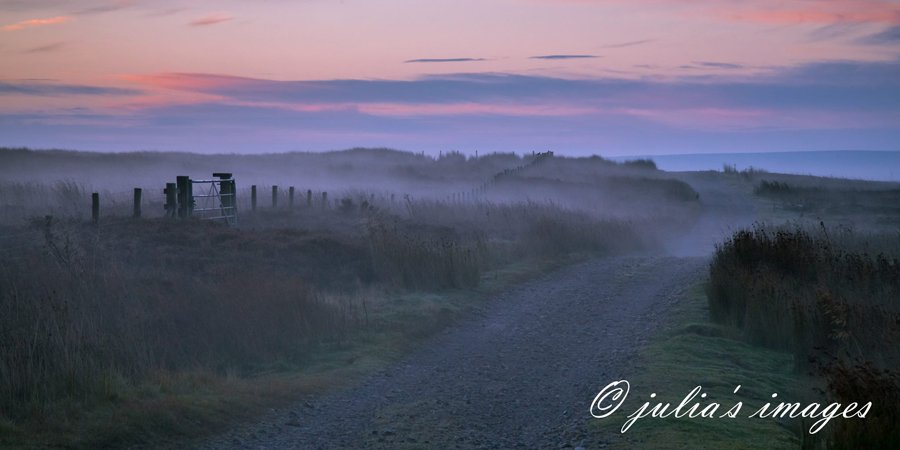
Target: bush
773, 188
642, 163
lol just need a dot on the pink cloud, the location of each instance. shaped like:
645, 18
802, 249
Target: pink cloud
173, 89
211, 19
189, 81
35, 23
471, 108
204, 85
821, 12
887, 14
696, 106
425, 109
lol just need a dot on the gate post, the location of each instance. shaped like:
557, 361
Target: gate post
137, 203
95, 208
185, 196
171, 192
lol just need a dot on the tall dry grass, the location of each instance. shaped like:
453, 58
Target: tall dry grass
20, 201
831, 296
85, 310
78, 312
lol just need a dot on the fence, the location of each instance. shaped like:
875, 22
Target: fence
211, 199
479, 191
218, 199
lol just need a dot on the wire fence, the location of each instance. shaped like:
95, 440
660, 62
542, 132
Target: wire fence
27, 208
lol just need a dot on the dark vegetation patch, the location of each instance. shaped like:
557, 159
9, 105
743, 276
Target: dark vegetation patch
830, 296
832, 200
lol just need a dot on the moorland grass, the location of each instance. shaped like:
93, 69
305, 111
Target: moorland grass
125, 332
832, 298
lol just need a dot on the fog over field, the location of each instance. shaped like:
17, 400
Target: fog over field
589, 184
381, 252
450, 224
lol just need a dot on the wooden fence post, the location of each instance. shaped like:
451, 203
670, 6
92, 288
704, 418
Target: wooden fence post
228, 194
274, 197
137, 203
95, 208
291, 197
253, 198
171, 192
185, 196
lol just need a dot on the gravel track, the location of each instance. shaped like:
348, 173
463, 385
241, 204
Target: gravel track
521, 373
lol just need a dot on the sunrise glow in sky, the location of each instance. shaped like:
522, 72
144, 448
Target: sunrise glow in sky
613, 77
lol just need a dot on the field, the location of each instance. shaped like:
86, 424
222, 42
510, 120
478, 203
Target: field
161, 331
129, 314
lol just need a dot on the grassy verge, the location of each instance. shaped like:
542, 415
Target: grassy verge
693, 351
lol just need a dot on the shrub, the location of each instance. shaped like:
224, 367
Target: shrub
642, 163
773, 188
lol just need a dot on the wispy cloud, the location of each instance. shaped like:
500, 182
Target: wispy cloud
35, 23
834, 31
889, 36
46, 48
164, 12
75, 8
38, 88
629, 43
718, 65
31, 5
825, 105
837, 87
887, 15
564, 57
105, 7
773, 11
442, 60
211, 19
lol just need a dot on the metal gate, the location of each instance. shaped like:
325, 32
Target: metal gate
215, 198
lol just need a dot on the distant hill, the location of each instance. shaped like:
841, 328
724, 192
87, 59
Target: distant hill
869, 165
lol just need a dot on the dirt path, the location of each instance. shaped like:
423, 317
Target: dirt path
727, 207
522, 373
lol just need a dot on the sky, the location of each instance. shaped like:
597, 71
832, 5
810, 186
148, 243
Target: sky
609, 77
